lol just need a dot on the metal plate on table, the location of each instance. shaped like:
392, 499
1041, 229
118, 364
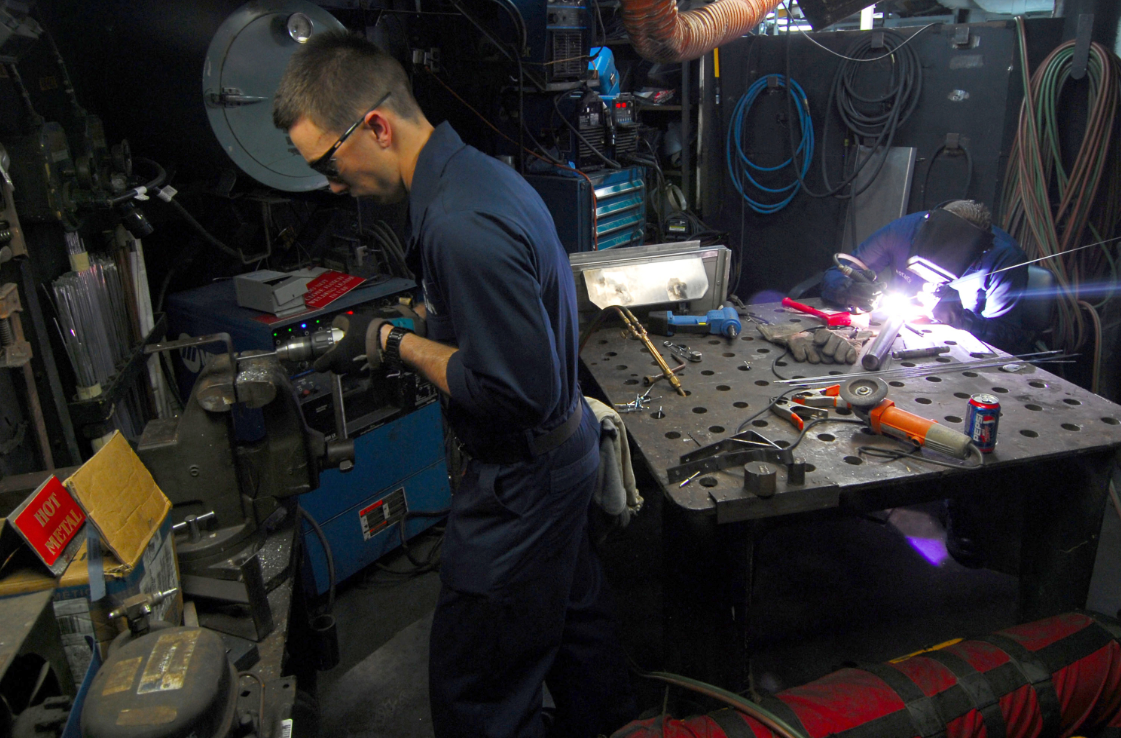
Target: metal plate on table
1042, 415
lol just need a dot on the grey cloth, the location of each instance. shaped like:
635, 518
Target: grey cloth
616, 492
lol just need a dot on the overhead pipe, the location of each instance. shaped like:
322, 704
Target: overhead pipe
660, 33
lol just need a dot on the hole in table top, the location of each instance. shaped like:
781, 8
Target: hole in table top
631, 381
795, 320
700, 410
1034, 407
762, 382
827, 437
782, 444
245, 693
760, 423
1029, 433
654, 363
943, 359
673, 435
934, 379
896, 383
780, 310
1071, 427
658, 414
716, 429
923, 400
835, 373
747, 338
952, 419
979, 355
1037, 384
799, 376
875, 323
926, 331
595, 363
843, 411
961, 395
764, 351
1111, 421
969, 374
688, 392
709, 482
907, 364
743, 368
1000, 390
854, 460
728, 355
780, 363
722, 387
621, 367
950, 343
602, 342
740, 404
810, 468
1071, 401
868, 431
644, 350
611, 353
714, 343
707, 373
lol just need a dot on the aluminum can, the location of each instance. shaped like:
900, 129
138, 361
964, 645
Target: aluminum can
981, 420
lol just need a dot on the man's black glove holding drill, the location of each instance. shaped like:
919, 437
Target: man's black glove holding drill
360, 346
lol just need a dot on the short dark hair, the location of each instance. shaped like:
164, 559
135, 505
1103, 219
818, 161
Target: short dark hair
975, 212
336, 76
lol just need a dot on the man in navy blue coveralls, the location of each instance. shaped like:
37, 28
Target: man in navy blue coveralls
982, 303
523, 600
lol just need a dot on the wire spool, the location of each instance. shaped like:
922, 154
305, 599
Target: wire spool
864, 393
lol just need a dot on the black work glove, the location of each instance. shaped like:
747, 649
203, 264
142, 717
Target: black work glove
405, 317
949, 309
864, 294
350, 355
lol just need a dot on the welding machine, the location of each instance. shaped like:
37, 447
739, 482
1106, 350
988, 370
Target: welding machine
400, 464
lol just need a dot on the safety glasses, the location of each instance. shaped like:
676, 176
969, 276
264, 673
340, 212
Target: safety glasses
325, 164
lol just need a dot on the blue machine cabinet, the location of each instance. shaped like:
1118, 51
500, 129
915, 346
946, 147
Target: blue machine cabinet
399, 465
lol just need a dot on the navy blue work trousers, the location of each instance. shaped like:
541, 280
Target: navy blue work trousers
524, 602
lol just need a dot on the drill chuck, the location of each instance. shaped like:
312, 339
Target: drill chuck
306, 348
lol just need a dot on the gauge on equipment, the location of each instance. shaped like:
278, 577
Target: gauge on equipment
299, 27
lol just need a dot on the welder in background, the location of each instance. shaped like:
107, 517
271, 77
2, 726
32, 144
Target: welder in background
954, 253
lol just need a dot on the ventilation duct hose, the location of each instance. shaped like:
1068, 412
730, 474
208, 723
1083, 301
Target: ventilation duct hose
662, 34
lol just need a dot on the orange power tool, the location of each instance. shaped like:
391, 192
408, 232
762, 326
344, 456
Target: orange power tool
868, 398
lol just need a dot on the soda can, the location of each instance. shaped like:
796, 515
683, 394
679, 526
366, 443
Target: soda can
981, 420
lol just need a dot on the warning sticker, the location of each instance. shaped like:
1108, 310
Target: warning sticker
380, 515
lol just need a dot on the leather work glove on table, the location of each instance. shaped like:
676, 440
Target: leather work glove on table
815, 345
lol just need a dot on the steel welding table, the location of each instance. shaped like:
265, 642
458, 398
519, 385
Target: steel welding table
1056, 448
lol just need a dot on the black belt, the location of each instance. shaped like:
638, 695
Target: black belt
530, 446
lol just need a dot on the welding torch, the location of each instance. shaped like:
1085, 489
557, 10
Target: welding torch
640, 333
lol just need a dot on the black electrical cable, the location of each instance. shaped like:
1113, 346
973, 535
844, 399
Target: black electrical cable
930, 166
879, 452
326, 552
779, 358
878, 117
151, 185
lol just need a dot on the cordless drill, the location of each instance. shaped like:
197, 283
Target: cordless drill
724, 321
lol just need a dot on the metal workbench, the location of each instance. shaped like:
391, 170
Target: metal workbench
1056, 446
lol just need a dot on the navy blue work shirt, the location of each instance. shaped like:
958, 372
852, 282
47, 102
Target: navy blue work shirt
497, 285
990, 299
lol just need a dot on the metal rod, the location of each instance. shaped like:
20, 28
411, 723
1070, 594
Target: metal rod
877, 355
910, 372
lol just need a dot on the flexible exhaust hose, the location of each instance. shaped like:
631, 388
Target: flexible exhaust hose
659, 33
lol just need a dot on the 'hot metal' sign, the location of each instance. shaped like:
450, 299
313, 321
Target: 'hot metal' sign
49, 520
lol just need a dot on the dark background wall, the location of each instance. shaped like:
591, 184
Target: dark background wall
780, 250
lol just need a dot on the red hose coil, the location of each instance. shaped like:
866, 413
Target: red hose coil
659, 33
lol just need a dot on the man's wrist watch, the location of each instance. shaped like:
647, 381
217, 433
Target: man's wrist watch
392, 353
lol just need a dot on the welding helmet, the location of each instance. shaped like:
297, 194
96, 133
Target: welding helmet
943, 248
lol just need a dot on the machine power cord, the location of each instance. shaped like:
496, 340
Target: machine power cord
327, 553
968, 170
891, 454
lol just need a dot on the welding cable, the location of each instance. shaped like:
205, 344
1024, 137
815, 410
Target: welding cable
200, 229
152, 185
879, 452
968, 171
326, 552
741, 167
733, 700
876, 117
1036, 179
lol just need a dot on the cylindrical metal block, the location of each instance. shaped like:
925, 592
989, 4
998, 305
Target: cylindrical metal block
759, 478
797, 472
